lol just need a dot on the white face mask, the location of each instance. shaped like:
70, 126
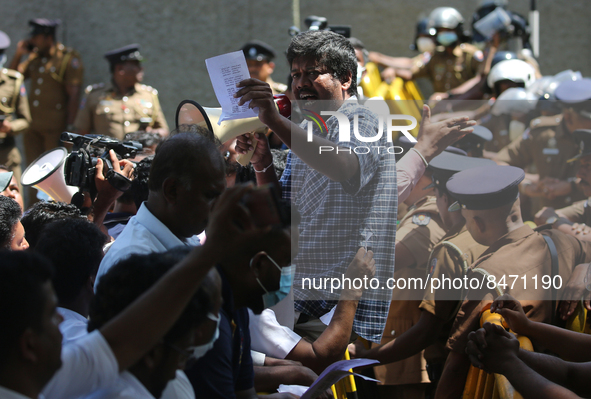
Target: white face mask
201, 350
425, 44
2, 60
516, 129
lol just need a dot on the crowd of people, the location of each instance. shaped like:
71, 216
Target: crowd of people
202, 277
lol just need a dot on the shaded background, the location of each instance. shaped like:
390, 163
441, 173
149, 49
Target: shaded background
177, 36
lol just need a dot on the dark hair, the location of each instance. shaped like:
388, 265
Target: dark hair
198, 129
75, 246
22, 275
10, 214
139, 185
331, 50
42, 213
358, 45
132, 277
182, 156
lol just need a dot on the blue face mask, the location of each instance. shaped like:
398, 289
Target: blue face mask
447, 38
274, 297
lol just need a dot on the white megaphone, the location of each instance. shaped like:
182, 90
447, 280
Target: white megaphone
190, 112
47, 174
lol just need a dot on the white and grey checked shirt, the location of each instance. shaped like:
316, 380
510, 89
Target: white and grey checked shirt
335, 218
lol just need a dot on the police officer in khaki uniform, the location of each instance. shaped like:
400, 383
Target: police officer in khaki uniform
259, 59
474, 143
416, 235
574, 219
453, 62
14, 110
517, 255
124, 105
549, 144
449, 258
55, 73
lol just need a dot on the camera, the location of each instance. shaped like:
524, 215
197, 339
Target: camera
314, 22
80, 165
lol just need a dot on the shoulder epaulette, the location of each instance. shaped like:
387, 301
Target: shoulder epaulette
149, 88
95, 86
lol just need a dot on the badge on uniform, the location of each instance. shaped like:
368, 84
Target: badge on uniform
432, 266
23, 91
75, 63
421, 219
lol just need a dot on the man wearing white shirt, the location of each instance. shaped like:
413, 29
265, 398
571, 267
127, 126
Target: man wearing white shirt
127, 281
186, 177
75, 247
31, 359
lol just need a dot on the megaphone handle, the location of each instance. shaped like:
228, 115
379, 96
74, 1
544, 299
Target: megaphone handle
244, 159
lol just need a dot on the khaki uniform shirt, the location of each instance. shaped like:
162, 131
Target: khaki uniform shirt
14, 105
420, 230
548, 145
522, 252
450, 259
104, 111
448, 71
499, 127
13, 101
579, 212
49, 77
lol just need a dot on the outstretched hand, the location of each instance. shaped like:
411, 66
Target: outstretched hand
513, 313
491, 348
260, 95
357, 349
261, 156
575, 291
434, 137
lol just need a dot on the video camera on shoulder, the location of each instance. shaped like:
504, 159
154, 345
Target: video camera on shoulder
80, 166
314, 22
